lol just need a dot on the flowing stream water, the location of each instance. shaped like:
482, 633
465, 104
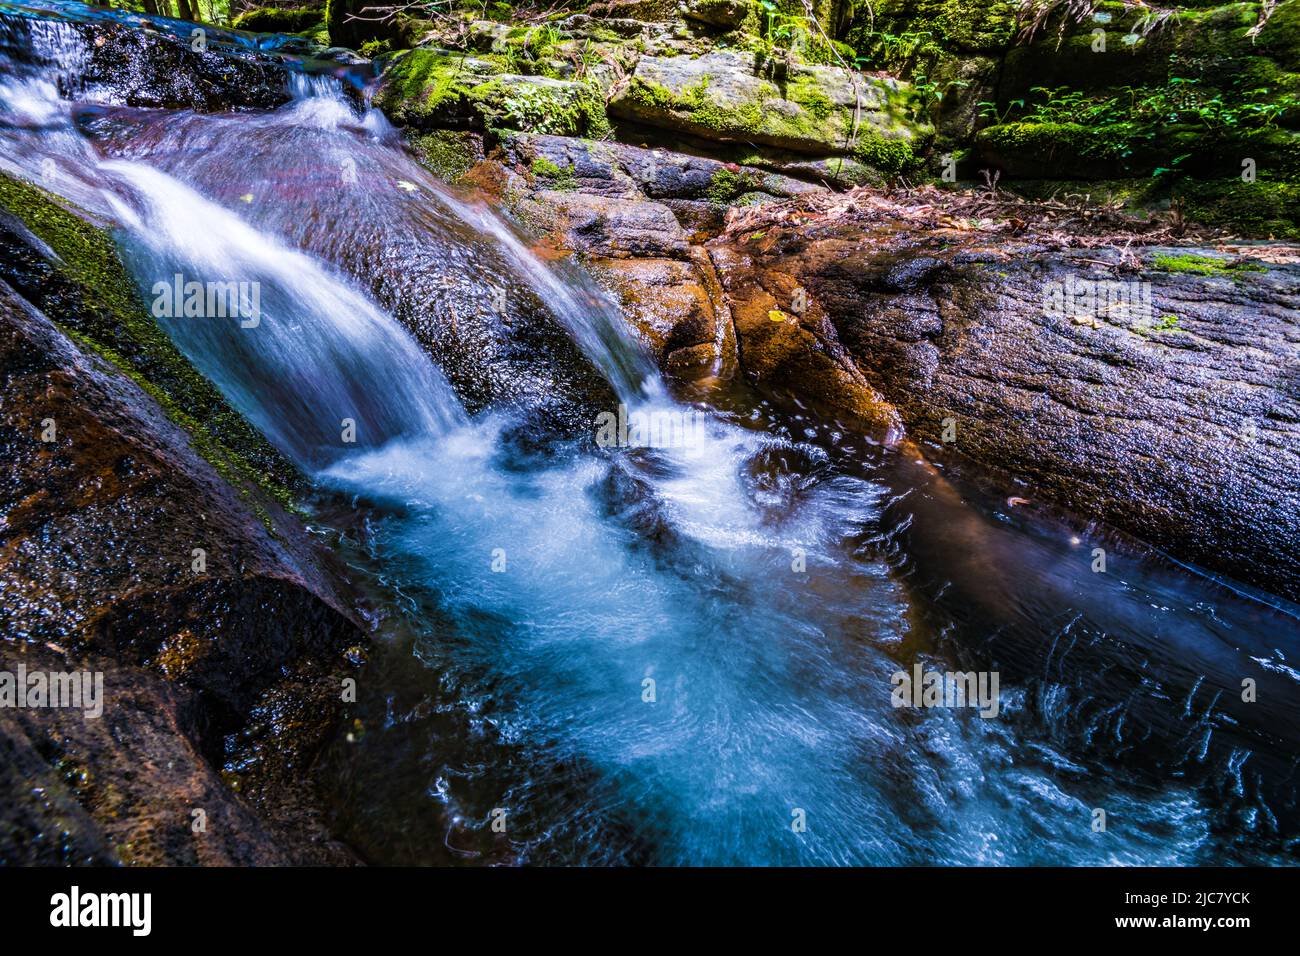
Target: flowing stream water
661, 655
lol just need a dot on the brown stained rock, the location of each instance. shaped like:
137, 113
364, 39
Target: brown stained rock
96, 574
788, 345
1182, 429
670, 305
123, 787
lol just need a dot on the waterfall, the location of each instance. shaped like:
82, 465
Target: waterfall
663, 654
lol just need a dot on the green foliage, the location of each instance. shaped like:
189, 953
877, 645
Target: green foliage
1130, 116
372, 49
791, 36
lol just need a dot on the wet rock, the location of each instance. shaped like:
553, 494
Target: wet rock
787, 345
159, 69
610, 226
98, 573
119, 788
672, 306
145, 463
1178, 425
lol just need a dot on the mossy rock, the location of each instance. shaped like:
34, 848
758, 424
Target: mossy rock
280, 19
1051, 151
431, 89
1207, 45
740, 97
89, 293
927, 27
725, 14
1264, 209
448, 154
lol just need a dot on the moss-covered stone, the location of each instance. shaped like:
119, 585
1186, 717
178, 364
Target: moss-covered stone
1264, 209
431, 89
539, 104
448, 154
91, 295
1050, 151
280, 19
739, 97
1202, 265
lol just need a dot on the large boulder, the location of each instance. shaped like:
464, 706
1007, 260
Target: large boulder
1166, 407
430, 89
163, 67
742, 97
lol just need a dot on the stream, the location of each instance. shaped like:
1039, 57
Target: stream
661, 655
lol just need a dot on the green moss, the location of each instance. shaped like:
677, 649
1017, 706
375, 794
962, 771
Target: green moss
279, 19
425, 88
811, 97
562, 179
1202, 265
887, 155
910, 36
695, 106
1264, 209
448, 154
373, 49
726, 185
95, 301
1051, 137
561, 109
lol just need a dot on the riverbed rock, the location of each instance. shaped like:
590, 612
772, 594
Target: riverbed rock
1178, 424
157, 68
788, 346
139, 543
676, 308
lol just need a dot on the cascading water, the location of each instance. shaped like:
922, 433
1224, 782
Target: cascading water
663, 655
